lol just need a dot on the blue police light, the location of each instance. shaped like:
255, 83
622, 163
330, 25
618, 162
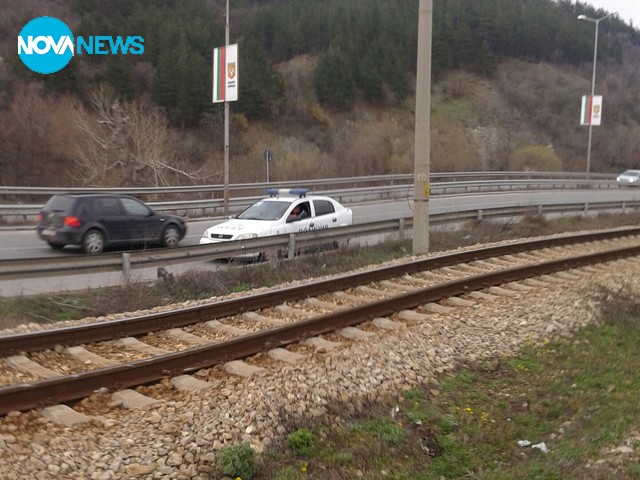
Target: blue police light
274, 192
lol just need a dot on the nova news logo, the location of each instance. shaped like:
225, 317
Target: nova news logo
46, 45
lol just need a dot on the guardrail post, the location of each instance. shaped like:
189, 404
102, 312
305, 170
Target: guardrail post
586, 208
292, 245
401, 228
539, 210
479, 215
126, 267
624, 207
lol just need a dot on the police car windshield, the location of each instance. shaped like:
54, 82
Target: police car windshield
264, 210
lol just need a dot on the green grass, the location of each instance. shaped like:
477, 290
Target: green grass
45, 308
579, 396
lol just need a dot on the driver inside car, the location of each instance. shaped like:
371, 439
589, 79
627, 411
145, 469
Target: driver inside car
296, 214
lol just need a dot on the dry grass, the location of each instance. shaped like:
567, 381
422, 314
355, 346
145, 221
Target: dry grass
243, 276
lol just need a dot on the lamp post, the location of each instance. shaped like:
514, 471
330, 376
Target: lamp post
593, 78
226, 125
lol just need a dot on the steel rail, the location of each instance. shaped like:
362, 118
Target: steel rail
64, 389
109, 330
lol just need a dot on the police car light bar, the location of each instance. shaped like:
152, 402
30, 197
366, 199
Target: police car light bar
274, 192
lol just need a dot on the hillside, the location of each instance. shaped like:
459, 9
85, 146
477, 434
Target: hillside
478, 123
506, 92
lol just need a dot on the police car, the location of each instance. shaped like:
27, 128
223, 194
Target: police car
284, 211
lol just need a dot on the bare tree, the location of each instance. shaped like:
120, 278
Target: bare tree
126, 143
34, 138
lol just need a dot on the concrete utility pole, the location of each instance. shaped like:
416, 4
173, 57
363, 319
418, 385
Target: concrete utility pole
423, 131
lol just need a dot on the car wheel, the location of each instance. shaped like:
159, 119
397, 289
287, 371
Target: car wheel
93, 242
56, 246
170, 236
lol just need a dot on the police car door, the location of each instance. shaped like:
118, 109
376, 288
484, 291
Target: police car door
325, 215
301, 222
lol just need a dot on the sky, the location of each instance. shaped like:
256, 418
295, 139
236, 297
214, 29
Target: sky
627, 10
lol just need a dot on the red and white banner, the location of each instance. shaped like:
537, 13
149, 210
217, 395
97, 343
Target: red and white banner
591, 111
225, 74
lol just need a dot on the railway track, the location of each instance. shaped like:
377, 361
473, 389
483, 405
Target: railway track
54, 366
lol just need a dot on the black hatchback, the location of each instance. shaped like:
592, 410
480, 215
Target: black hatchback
95, 221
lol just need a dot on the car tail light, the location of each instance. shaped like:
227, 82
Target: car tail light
72, 221
40, 217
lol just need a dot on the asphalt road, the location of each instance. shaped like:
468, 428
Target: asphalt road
22, 242
18, 243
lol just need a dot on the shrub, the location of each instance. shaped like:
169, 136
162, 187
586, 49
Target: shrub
316, 112
240, 121
289, 473
301, 442
237, 461
535, 157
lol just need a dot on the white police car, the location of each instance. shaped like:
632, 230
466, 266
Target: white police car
629, 177
284, 211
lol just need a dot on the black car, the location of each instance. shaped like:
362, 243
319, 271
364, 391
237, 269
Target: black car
95, 221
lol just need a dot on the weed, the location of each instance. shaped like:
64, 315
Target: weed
289, 473
237, 461
390, 432
415, 394
302, 442
241, 287
343, 458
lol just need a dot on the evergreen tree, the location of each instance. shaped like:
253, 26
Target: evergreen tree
484, 61
333, 79
62, 81
370, 77
261, 88
394, 71
182, 84
118, 75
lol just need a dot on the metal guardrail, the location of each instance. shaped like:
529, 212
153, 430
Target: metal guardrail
402, 178
287, 243
113, 262
395, 187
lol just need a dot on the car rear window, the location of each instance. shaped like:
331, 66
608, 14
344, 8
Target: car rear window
59, 203
323, 207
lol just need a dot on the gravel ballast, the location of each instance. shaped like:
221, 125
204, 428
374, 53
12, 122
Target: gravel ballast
177, 437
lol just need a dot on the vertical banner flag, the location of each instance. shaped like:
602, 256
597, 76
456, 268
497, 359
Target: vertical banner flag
591, 112
225, 74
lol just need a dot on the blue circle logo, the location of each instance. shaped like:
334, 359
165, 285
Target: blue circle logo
45, 45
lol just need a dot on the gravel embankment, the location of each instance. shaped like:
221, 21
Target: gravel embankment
178, 438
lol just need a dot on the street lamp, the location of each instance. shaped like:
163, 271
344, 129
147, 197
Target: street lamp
593, 78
